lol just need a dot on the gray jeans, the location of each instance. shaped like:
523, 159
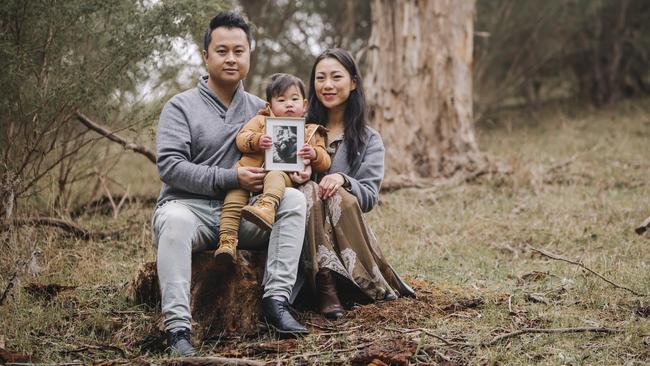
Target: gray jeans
182, 227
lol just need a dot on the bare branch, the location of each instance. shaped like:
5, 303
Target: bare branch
643, 226
213, 361
549, 331
115, 138
556, 257
68, 226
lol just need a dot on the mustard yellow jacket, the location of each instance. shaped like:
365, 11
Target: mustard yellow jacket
249, 137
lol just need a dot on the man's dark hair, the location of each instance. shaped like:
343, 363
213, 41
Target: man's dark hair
228, 19
279, 83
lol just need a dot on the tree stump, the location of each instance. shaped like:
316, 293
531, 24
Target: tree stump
225, 299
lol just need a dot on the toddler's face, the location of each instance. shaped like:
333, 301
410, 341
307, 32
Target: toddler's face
291, 103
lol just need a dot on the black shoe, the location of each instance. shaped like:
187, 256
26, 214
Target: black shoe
179, 343
278, 315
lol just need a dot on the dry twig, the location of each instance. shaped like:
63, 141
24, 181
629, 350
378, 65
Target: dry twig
116, 138
422, 330
556, 257
212, 361
68, 226
548, 331
312, 354
643, 227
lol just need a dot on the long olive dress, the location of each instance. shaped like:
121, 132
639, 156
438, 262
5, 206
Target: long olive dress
339, 238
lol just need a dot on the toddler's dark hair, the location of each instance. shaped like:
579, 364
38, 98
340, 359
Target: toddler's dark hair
279, 83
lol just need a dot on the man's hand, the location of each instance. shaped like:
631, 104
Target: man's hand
307, 152
329, 185
266, 142
251, 179
303, 176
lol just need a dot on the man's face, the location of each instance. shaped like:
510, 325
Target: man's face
227, 57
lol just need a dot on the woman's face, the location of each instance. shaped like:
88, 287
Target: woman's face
333, 83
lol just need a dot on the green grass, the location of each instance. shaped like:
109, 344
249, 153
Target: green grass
577, 182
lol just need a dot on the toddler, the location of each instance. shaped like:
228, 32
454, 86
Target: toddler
285, 95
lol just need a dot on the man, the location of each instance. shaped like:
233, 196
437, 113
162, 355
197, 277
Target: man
196, 152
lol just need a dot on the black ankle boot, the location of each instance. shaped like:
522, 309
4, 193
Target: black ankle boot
179, 343
278, 315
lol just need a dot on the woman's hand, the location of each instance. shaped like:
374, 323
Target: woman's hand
303, 176
307, 152
329, 185
265, 142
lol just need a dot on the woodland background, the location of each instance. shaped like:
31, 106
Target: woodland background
559, 124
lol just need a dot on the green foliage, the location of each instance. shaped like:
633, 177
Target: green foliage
58, 57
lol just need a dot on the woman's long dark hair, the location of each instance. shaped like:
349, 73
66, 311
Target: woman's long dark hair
354, 116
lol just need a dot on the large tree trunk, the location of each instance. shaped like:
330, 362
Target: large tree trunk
419, 89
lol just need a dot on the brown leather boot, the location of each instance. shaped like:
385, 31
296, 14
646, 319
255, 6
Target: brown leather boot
328, 300
262, 212
227, 247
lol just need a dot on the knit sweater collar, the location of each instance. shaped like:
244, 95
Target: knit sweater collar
211, 98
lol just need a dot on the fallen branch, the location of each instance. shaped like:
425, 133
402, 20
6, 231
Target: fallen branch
549, 331
68, 226
645, 225
556, 257
116, 138
312, 354
425, 331
562, 164
103, 203
212, 361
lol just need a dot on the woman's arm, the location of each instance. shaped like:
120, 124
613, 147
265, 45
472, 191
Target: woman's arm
366, 182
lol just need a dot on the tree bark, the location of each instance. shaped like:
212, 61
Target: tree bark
224, 299
419, 89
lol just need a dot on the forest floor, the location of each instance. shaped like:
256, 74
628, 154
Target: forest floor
571, 184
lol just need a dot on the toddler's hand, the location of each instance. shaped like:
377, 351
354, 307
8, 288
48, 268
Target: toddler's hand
266, 142
303, 176
307, 152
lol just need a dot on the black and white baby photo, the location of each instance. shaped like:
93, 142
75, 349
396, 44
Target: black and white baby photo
285, 144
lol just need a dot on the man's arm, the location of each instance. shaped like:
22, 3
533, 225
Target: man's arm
173, 144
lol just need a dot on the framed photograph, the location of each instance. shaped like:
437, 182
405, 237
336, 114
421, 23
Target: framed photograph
288, 136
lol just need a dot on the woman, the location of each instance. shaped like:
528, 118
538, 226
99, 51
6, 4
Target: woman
338, 240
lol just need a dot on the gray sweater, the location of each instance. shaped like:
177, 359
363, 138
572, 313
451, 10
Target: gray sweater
195, 142
366, 171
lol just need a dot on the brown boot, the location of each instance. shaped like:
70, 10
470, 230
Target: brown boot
262, 212
328, 300
227, 247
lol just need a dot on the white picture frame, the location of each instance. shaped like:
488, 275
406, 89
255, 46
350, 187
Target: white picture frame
288, 135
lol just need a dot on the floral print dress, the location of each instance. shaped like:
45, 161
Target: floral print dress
339, 238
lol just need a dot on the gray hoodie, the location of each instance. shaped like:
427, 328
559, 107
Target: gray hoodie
195, 142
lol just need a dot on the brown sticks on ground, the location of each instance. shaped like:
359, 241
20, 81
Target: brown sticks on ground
549, 331
579, 264
70, 227
116, 138
212, 361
